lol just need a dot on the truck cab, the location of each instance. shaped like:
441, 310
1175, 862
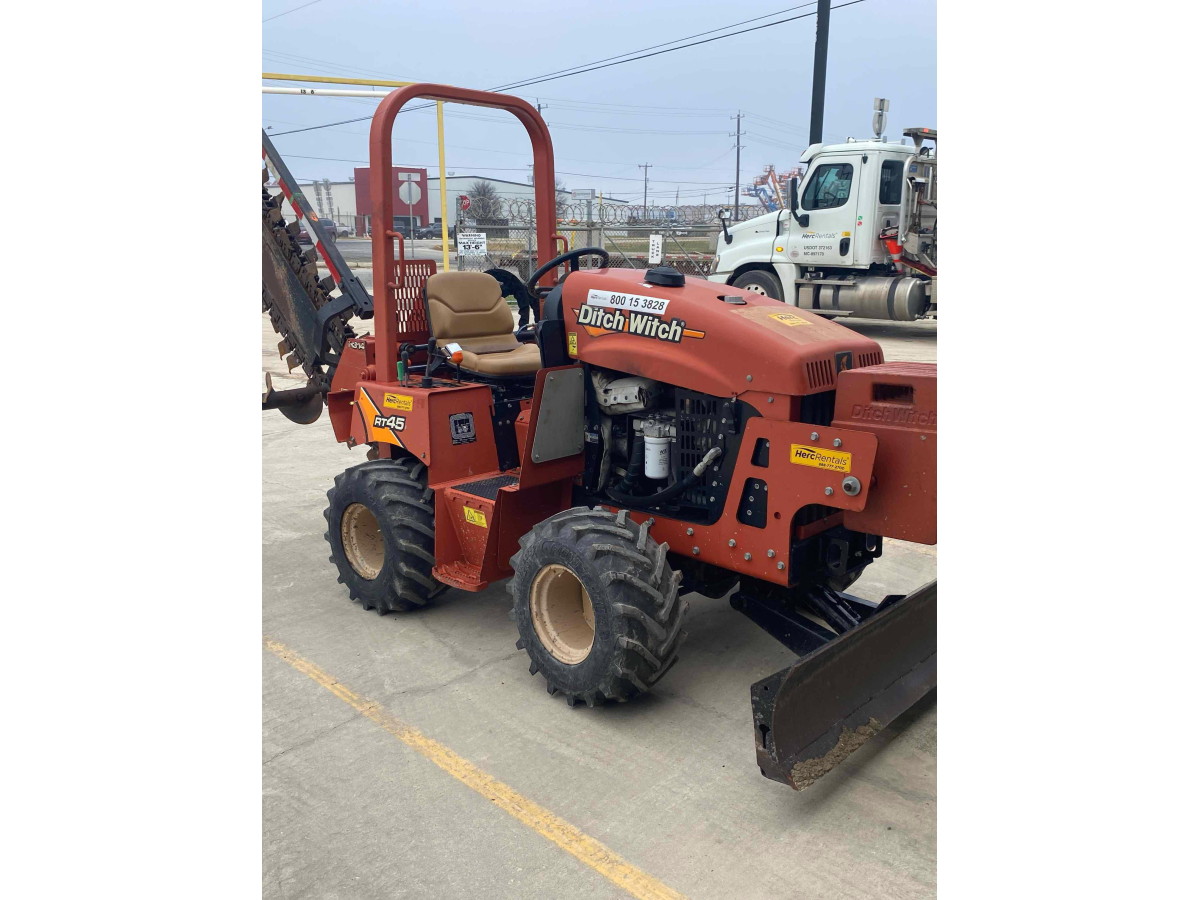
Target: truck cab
858, 231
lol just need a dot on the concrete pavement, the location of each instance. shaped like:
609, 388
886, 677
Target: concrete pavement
668, 781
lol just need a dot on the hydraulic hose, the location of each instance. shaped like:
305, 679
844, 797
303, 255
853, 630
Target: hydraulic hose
674, 490
637, 461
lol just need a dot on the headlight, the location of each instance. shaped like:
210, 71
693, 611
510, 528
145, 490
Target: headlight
716, 264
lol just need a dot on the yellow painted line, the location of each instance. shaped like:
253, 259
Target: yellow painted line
327, 79
586, 849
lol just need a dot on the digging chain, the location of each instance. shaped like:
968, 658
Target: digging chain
304, 264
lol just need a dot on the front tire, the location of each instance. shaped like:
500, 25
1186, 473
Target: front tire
596, 605
760, 282
380, 529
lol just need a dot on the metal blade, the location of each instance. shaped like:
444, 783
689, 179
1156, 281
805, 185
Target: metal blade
812, 715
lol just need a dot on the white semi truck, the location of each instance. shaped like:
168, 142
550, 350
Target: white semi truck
857, 237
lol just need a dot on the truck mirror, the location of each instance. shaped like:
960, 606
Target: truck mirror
793, 194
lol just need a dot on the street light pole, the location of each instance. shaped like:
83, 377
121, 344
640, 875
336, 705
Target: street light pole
737, 178
645, 167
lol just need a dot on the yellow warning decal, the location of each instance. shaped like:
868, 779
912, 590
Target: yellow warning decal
475, 517
818, 458
573, 343
845, 234
398, 401
789, 319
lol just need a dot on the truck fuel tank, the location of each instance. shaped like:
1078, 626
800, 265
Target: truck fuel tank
895, 297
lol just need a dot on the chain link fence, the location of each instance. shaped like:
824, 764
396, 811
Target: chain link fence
682, 237
688, 248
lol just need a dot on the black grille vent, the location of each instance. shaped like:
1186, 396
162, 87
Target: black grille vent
817, 409
697, 426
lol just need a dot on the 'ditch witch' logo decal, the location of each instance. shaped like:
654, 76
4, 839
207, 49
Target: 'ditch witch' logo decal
597, 320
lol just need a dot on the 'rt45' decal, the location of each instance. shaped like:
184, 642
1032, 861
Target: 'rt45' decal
394, 422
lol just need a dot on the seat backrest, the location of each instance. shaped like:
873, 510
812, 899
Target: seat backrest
467, 305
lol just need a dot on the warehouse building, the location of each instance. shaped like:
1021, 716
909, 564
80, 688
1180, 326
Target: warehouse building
416, 202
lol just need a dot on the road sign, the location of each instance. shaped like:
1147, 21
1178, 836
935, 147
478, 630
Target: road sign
589, 194
655, 249
410, 192
472, 244
464, 202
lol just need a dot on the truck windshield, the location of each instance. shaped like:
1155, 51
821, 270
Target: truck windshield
828, 187
890, 182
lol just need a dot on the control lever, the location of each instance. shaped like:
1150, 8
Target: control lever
432, 358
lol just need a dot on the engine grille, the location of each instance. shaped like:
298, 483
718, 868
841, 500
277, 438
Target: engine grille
697, 426
820, 373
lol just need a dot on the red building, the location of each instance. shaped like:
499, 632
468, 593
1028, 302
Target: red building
410, 196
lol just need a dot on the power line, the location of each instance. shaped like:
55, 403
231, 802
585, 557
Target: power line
676, 41
707, 167
594, 67
512, 169
286, 12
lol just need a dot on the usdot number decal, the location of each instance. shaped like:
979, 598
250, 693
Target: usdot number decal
475, 517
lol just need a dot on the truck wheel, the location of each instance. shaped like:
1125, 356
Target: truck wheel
596, 605
380, 521
760, 282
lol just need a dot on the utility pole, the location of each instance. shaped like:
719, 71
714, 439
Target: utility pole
816, 122
737, 176
645, 167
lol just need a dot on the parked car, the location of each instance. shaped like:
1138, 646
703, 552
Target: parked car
434, 232
344, 230
327, 225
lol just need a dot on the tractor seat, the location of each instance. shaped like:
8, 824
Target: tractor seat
467, 308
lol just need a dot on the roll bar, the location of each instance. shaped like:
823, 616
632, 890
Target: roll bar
383, 238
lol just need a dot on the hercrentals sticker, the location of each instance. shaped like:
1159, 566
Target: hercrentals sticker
598, 320
399, 401
820, 458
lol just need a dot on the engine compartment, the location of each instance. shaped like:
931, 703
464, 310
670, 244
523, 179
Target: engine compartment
646, 439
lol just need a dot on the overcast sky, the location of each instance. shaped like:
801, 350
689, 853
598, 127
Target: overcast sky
673, 110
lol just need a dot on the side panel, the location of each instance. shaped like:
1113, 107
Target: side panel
799, 470
449, 428
534, 473
897, 402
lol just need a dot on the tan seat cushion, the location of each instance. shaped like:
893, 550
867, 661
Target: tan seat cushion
467, 308
524, 359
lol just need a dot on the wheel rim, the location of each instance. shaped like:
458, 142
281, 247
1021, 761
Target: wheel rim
562, 614
362, 541
757, 289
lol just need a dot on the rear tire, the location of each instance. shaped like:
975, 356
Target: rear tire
596, 605
760, 282
380, 529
